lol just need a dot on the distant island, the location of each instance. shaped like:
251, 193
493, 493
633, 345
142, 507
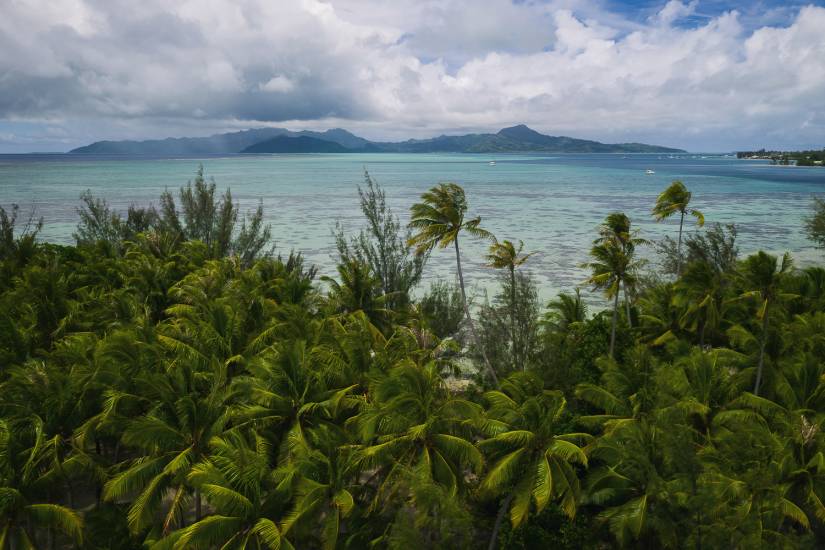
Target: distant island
786, 158
515, 139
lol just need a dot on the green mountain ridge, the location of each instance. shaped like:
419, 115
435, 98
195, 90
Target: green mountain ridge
300, 144
515, 139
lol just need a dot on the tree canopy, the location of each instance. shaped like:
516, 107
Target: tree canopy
170, 382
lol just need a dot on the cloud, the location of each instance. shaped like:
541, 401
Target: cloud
673, 11
410, 68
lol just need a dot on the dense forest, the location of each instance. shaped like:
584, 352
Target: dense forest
169, 381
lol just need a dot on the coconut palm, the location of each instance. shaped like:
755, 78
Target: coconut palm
617, 230
532, 459
241, 488
359, 290
320, 468
676, 198
755, 475
565, 311
505, 255
439, 219
614, 266
700, 292
287, 390
185, 412
627, 389
415, 424
762, 279
24, 508
641, 498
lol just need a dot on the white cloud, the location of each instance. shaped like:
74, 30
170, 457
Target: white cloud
411, 68
673, 11
279, 83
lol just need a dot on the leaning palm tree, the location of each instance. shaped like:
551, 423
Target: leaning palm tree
438, 220
613, 266
676, 198
505, 255
763, 280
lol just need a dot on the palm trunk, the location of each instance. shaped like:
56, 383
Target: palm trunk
499, 519
627, 306
761, 353
197, 505
613, 327
679, 247
469, 317
513, 316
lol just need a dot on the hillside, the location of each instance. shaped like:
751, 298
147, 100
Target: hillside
218, 144
515, 139
300, 144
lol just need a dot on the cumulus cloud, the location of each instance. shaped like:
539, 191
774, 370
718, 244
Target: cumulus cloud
117, 69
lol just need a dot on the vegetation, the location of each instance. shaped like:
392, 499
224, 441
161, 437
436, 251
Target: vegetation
815, 223
799, 158
675, 199
169, 383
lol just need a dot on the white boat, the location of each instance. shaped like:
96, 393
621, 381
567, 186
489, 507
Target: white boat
649, 172
492, 163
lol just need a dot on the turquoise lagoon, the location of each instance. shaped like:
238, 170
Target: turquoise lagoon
552, 203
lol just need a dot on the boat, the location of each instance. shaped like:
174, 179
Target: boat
492, 163
649, 172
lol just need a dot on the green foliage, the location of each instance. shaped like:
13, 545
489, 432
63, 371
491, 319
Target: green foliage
508, 326
815, 223
203, 217
442, 308
162, 388
438, 220
382, 246
553, 529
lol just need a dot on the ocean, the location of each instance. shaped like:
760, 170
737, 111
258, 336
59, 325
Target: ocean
553, 203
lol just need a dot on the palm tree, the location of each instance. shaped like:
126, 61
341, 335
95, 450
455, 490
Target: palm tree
613, 266
763, 282
505, 255
359, 290
634, 484
532, 460
676, 198
700, 291
321, 469
627, 389
616, 230
439, 218
24, 483
415, 424
755, 473
186, 411
565, 311
238, 482
287, 390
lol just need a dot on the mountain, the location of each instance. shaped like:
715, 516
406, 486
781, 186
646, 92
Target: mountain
300, 144
518, 139
515, 139
218, 144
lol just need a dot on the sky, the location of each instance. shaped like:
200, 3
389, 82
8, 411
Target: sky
703, 75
